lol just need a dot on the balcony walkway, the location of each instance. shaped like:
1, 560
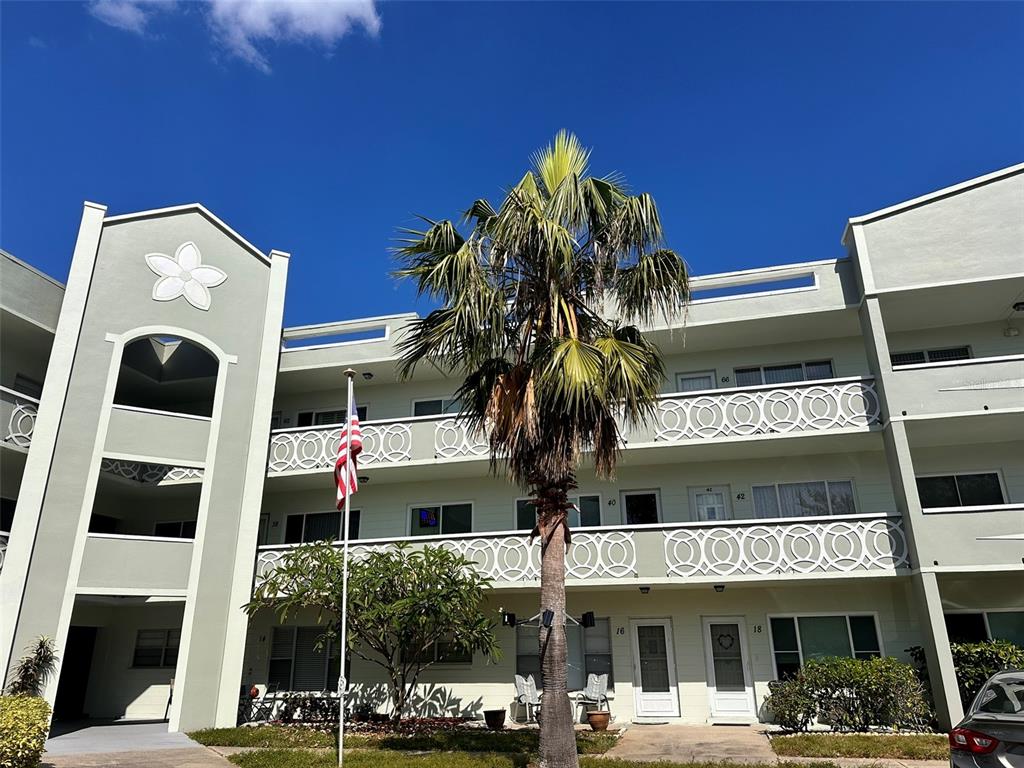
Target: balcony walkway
745, 413
816, 547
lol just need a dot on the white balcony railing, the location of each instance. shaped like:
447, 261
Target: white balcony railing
17, 417
508, 556
4, 536
760, 548
675, 552
150, 474
773, 409
836, 404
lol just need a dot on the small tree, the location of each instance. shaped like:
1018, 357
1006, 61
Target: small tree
29, 676
406, 607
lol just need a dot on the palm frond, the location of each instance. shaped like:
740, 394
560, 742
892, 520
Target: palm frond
565, 157
657, 284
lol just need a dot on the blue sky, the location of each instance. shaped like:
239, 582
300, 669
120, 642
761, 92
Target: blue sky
758, 128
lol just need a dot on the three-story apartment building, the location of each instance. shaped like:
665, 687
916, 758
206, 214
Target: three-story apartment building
836, 467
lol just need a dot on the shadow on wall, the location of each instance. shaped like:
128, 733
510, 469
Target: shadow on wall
430, 700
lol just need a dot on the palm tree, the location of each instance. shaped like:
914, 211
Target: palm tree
535, 300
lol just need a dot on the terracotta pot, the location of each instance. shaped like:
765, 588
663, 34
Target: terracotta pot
254, 692
495, 719
599, 720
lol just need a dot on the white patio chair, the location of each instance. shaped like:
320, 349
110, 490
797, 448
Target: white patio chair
527, 697
595, 694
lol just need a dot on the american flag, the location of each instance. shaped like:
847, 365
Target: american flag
341, 469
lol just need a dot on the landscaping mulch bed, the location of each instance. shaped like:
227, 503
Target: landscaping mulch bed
419, 735
896, 746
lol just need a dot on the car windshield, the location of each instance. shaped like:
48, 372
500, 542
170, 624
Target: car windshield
1003, 696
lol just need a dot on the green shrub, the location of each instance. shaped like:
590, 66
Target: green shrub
975, 663
850, 695
791, 703
24, 723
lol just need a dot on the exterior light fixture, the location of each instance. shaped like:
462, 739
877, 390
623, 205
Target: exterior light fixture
364, 479
367, 376
508, 619
587, 620
644, 590
1010, 331
719, 587
547, 617
1019, 306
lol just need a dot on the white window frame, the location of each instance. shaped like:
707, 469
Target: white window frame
984, 614
974, 508
694, 490
928, 353
456, 664
364, 407
818, 614
303, 515
445, 401
575, 499
828, 496
694, 374
583, 652
328, 684
163, 649
803, 370
440, 522
640, 492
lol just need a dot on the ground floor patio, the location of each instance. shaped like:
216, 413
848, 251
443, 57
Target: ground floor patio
674, 653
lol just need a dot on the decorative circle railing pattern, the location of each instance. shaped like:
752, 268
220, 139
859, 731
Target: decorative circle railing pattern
21, 423
149, 473
453, 439
3, 549
778, 548
314, 449
794, 408
597, 555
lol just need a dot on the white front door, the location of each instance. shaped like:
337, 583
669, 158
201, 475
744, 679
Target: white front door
730, 688
655, 690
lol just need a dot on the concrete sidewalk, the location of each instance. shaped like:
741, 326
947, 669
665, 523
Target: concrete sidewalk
731, 743
694, 743
120, 744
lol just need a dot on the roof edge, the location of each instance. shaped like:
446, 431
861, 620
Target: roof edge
189, 207
938, 194
30, 268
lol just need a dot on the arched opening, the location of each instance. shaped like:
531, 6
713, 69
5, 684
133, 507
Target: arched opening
167, 373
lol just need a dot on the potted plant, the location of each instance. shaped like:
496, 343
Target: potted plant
495, 719
599, 720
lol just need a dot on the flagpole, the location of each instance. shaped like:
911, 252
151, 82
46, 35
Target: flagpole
342, 682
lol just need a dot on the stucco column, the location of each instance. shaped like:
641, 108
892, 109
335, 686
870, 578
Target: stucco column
941, 673
927, 598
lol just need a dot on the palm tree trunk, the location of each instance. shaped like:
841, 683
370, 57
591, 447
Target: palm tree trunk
557, 734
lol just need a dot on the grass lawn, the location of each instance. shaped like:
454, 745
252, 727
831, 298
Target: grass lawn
465, 740
283, 758
895, 746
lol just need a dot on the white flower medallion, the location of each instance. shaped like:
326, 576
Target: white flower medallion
184, 275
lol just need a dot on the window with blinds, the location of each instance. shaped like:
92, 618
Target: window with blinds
796, 639
921, 356
297, 665
752, 376
810, 499
156, 648
319, 526
589, 653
